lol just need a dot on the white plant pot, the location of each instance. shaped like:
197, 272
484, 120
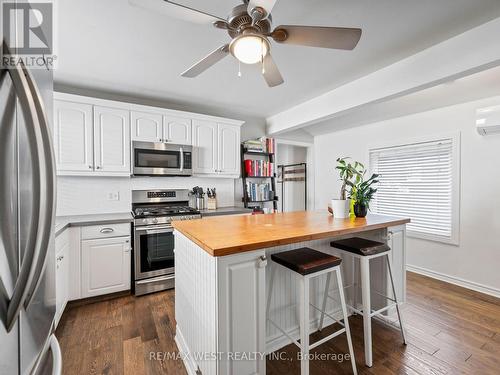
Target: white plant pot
341, 208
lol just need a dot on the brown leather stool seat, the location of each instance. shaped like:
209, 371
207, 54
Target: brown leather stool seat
360, 246
305, 260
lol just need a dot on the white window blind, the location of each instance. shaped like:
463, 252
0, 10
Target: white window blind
418, 181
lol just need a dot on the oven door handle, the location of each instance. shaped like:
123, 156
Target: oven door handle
159, 231
154, 230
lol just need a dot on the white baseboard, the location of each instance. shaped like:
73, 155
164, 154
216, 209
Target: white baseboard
455, 280
189, 364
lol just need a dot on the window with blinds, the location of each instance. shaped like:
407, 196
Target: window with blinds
419, 181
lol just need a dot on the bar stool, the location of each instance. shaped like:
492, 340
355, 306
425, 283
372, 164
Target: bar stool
366, 250
306, 264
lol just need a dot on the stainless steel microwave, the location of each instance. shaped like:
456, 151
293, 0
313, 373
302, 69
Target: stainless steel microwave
161, 159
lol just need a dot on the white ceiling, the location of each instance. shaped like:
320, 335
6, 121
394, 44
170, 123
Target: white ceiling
477, 86
112, 46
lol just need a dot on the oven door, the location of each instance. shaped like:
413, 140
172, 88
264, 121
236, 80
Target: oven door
154, 251
161, 159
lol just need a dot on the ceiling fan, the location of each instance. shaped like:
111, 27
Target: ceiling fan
250, 27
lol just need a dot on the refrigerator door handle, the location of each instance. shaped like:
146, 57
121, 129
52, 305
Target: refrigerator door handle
49, 180
56, 356
31, 254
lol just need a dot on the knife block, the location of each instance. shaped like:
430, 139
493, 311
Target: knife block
212, 203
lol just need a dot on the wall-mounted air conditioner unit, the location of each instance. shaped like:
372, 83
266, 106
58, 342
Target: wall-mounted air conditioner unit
488, 120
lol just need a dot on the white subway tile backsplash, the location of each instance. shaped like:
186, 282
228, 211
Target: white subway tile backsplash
92, 195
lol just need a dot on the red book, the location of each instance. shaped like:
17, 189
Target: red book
248, 167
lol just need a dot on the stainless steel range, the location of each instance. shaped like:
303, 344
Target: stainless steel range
154, 244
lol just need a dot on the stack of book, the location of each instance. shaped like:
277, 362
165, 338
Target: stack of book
263, 144
259, 168
259, 192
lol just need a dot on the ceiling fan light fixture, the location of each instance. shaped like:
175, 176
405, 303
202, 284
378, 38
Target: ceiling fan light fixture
249, 48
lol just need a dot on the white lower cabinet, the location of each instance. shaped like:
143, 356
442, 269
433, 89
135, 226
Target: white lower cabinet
242, 295
396, 239
62, 273
105, 266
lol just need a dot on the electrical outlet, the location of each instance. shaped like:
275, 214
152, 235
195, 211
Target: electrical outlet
114, 196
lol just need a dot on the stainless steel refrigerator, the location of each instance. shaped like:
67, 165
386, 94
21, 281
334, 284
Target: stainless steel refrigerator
27, 209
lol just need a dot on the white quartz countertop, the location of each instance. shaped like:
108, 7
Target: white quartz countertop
63, 222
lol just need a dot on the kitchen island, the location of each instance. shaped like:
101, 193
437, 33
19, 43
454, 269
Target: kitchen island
220, 281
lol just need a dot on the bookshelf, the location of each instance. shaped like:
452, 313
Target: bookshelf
266, 157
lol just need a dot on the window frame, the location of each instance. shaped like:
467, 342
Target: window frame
455, 138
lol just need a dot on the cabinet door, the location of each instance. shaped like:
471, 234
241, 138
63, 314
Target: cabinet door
105, 266
146, 127
229, 149
241, 307
177, 130
62, 276
73, 137
205, 144
111, 140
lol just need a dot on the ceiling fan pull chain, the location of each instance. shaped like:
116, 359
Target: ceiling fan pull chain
239, 68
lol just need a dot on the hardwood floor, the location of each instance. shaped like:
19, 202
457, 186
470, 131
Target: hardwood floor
450, 330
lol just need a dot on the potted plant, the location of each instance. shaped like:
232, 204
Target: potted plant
347, 172
362, 193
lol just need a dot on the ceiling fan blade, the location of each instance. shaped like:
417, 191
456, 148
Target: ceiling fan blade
173, 9
205, 63
267, 5
318, 36
271, 72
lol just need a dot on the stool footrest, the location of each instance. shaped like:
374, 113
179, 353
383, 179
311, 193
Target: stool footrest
383, 295
325, 339
328, 315
380, 311
373, 312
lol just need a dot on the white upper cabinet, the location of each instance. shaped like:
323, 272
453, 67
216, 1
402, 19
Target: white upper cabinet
147, 127
93, 137
177, 130
229, 149
205, 142
216, 149
73, 137
111, 140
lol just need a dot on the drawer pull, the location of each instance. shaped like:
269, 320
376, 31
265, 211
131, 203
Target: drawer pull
107, 230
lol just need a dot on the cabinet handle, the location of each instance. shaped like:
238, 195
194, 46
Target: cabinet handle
262, 261
98, 167
107, 230
90, 167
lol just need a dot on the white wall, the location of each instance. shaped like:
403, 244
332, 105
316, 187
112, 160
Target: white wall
475, 262
89, 195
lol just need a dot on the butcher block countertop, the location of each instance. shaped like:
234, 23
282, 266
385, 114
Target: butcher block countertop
220, 236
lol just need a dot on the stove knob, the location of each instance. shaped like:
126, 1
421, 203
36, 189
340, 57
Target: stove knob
155, 220
144, 221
